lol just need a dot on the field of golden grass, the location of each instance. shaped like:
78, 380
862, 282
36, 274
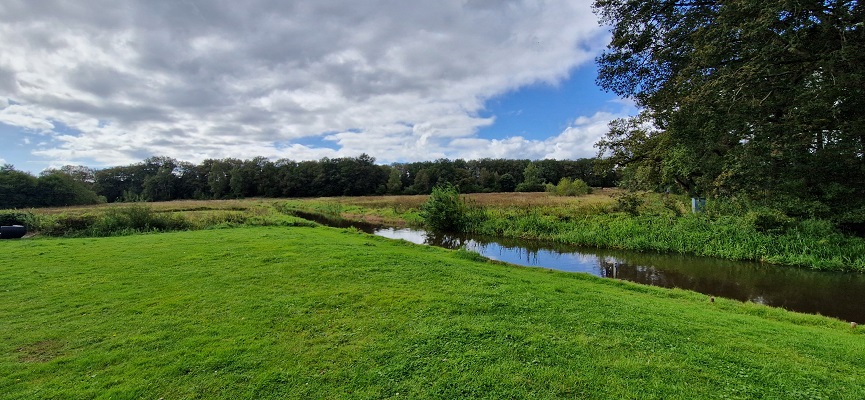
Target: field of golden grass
519, 200
170, 206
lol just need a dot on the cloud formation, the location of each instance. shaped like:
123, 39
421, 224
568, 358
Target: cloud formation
118, 81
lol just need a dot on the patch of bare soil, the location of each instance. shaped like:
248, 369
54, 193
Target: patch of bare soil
41, 351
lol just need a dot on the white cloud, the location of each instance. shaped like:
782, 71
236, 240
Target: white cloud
27, 118
198, 79
576, 141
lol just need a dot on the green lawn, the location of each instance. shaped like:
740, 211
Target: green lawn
298, 312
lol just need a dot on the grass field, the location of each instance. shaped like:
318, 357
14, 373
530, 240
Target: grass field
301, 312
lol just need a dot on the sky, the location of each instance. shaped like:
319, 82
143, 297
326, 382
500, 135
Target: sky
111, 82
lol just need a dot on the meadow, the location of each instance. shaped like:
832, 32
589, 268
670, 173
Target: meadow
299, 311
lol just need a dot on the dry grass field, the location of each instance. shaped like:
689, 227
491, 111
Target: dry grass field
169, 206
515, 200
518, 200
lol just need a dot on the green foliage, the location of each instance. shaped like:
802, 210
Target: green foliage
767, 220
532, 180
137, 218
329, 209
66, 225
673, 204
757, 99
526, 187
11, 217
445, 210
811, 244
165, 179
60, 189
507, 183
52, 188
118, 220
568, 187
394, 181
629, 202
17, 189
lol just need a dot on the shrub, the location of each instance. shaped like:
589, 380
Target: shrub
15, 218
769, 220
816, 228
530, 187
672, 204
114, 221
568, 187
629, 202
445, 210
66, 225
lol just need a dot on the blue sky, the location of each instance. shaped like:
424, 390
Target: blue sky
542, 110
104, 83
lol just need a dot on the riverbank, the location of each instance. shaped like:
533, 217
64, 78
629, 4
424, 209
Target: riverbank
657, 223
601, 220
300, 312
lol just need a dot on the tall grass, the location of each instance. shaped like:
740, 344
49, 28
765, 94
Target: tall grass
810, 243
145, 218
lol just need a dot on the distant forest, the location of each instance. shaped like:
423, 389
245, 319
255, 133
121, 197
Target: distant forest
164, 178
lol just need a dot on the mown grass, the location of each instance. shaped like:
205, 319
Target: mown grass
296, 312
659, 223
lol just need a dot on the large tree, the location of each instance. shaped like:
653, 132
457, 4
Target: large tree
752, 98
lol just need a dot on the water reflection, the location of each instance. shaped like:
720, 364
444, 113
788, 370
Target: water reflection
832, 294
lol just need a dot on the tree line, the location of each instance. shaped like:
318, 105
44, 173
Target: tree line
165, 178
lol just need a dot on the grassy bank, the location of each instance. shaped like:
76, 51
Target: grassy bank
131, 218
810, 244
654, 223
298, 312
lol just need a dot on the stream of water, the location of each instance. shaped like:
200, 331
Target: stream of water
834, 294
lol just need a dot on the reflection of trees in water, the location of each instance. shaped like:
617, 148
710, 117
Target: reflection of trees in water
446, 240
792, 289
612, 268
483, 245
833, 294
742, 288
609, 267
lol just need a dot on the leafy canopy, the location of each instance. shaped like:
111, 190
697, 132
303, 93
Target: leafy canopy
750, 98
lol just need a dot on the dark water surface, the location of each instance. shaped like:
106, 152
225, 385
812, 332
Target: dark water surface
839, 295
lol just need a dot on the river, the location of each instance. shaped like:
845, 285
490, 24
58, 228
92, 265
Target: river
834, 294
